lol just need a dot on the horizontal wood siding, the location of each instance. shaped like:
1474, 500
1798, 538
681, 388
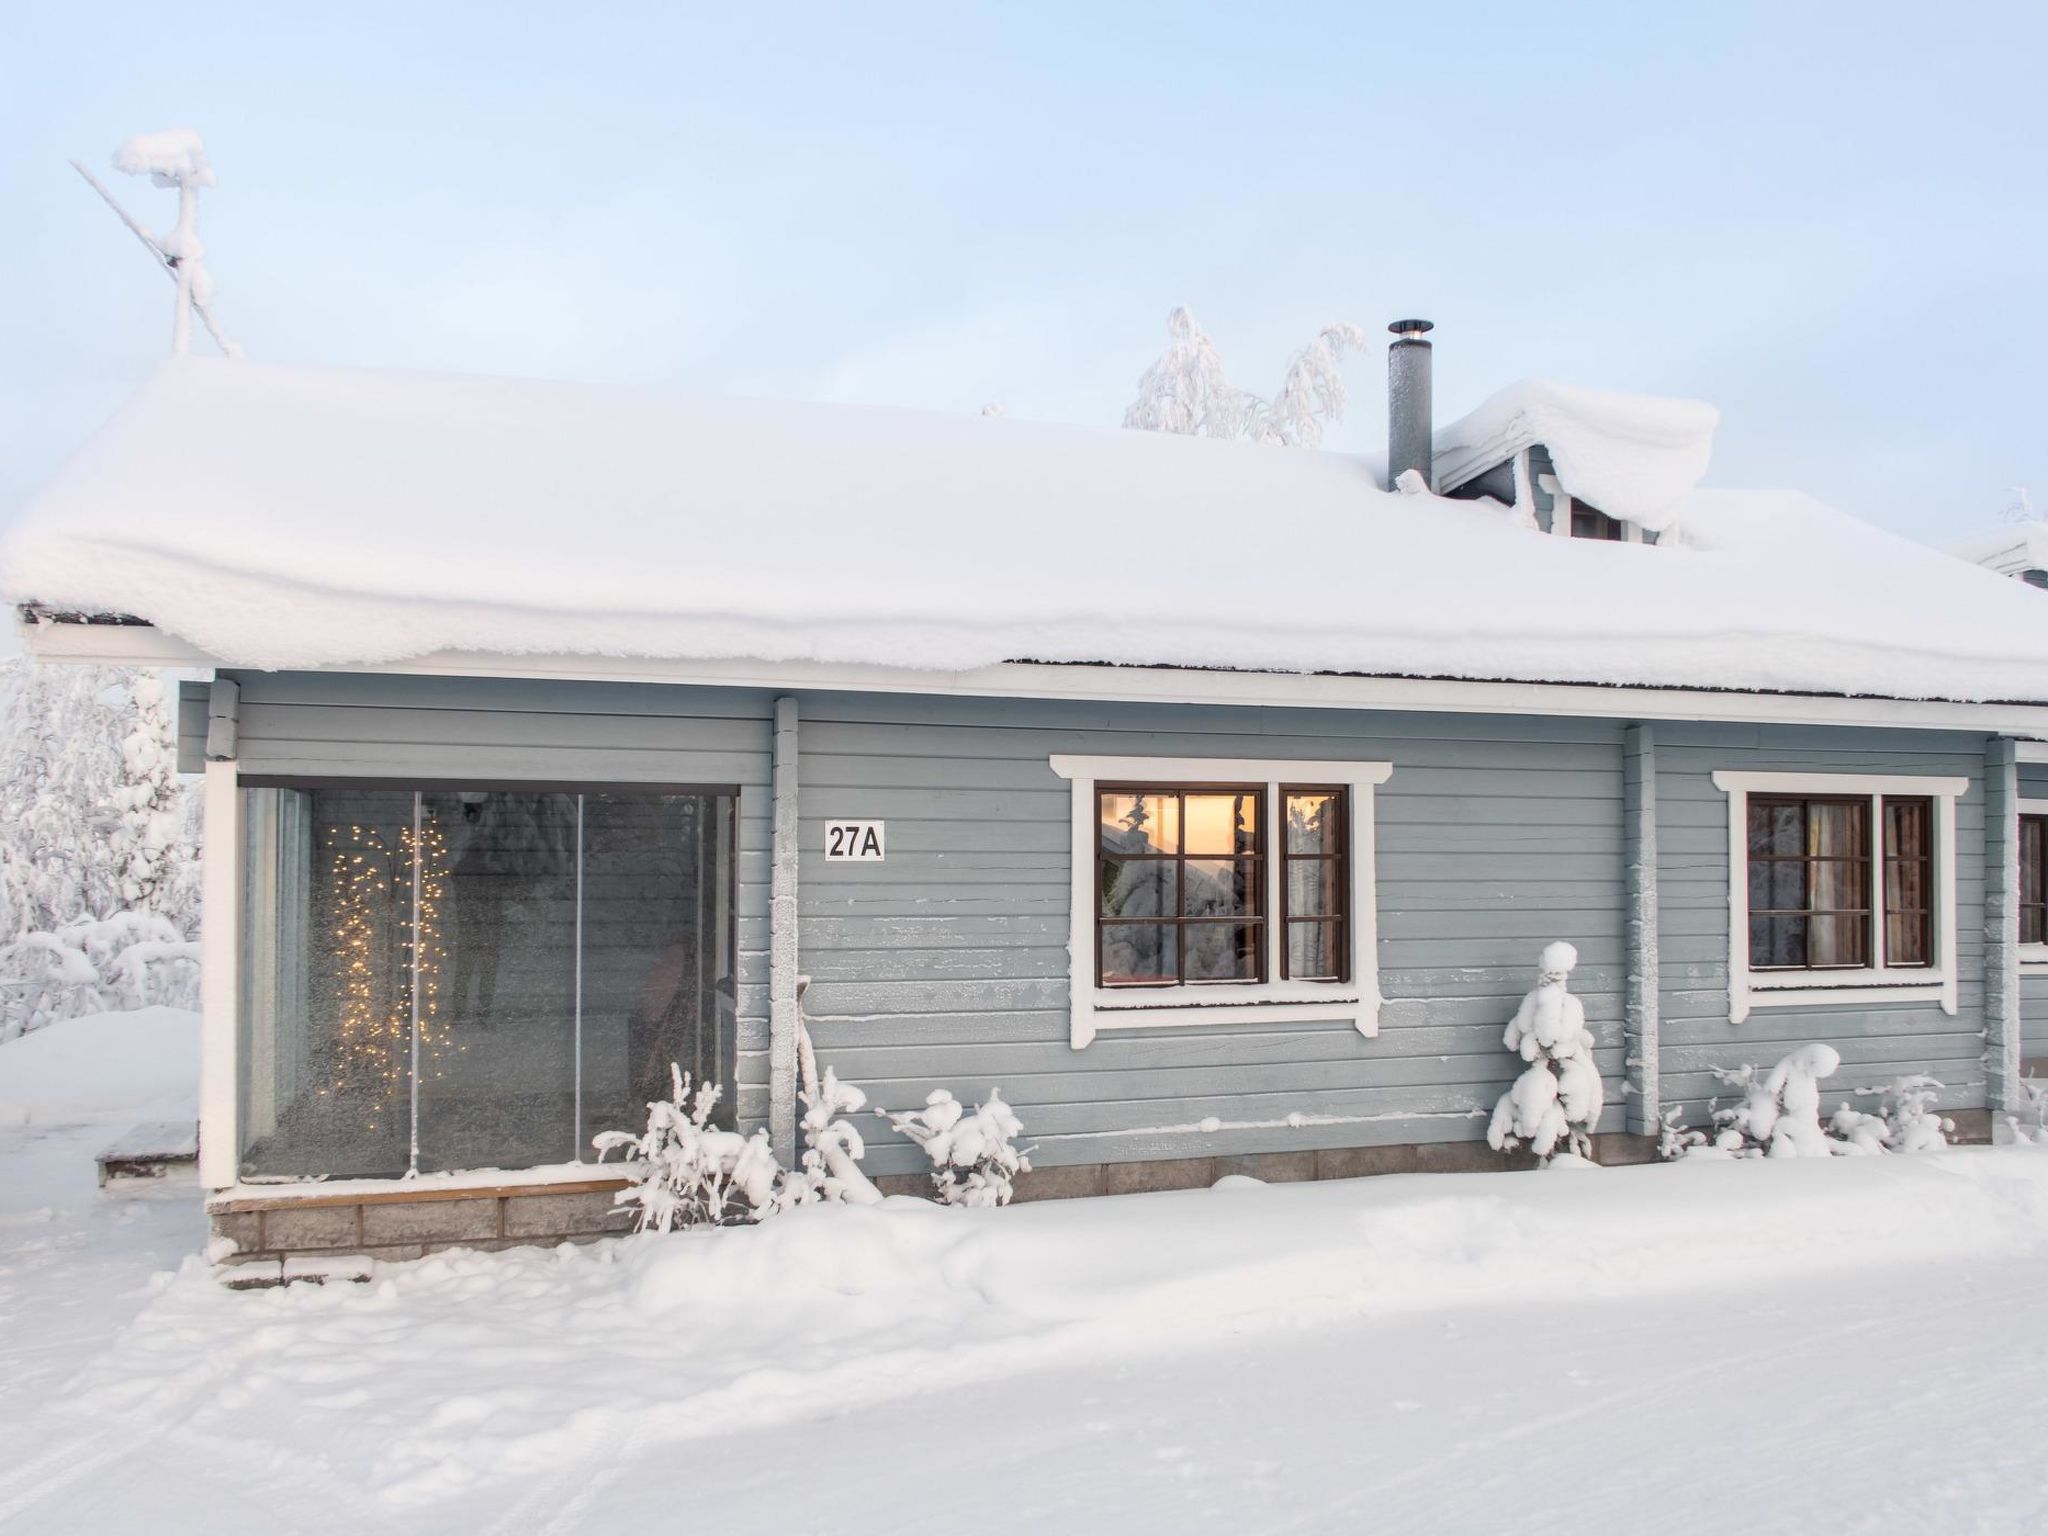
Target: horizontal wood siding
2033, 984
1878, 1042
947, 965
336, 725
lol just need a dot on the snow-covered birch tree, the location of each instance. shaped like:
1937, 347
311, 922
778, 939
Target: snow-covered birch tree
1186, 390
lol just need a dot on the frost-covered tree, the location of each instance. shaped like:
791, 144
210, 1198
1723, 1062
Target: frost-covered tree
99, 839
1557, 1101
974, 1156
832, 1146
2021, 508
1186, 390
687, 1171
1779, 1115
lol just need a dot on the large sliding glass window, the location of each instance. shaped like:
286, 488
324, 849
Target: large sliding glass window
445, 978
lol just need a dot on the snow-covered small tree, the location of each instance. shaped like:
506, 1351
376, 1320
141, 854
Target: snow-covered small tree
1905, 1122
832, 1146
974, 1156
688, 1172
1186, 390
1557, 1101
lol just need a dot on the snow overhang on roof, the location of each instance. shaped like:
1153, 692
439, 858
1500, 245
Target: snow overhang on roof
1635, 457
292, 518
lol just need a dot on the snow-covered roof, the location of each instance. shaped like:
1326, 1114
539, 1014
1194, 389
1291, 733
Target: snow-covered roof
285, 517
2009, 549
1635, 457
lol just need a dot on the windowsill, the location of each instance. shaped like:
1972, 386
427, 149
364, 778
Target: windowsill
1864, 976
255, 1194
2034, 959
1850, 987
1121, 1008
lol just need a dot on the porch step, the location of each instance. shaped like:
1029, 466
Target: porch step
150, 1150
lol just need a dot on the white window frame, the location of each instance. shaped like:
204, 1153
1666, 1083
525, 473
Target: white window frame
2033, 957
1355, 1001
1935, 982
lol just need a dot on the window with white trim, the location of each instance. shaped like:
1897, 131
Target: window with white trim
2033, 904
1841, 888
1212, 890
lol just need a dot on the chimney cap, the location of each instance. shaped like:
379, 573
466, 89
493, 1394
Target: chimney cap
1411, 327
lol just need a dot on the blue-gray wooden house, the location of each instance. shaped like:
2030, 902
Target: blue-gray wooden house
1211, 799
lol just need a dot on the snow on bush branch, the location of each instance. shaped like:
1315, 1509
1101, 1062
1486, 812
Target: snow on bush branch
974, 1158
1186, 391
99, 839
689, 1172
1779, 1115
1557, 1100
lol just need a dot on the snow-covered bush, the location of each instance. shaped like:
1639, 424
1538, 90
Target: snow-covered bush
99, 867
2029, 1128
975, 1160
1557, 1100
832, 1147
1677, 1139
1779, 1115
689, 1172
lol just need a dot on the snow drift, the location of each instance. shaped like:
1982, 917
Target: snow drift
286, 517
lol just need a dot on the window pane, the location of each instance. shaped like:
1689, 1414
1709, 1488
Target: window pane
1776, 827
658, 983
1906, 829
327, 1034
1315, 822
1777, 941
1837, 829
1222, 824
1777, 885
2034, 925
2033, 866
1314, 888
1138, 953
1140, 888
1838, 941
1905, 938
1905, 885
1314, 951
1221, 951
1222, 887
1140, 823
1838, 885
498, 980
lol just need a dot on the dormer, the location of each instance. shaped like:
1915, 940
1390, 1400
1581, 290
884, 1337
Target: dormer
1579, 463
2018, 550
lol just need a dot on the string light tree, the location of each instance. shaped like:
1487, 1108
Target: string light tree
173, 158
388, 1027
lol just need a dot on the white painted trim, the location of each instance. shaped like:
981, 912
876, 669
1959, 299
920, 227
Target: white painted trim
2032, 751
220, 970
1749, 989
136, 645
1357, 1001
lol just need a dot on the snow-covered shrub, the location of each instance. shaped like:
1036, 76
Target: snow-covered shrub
1905, 1121
975, 1160
832, 1147
96, 829
1557, 1100
1780, 1111
1677, 1139
689, 1172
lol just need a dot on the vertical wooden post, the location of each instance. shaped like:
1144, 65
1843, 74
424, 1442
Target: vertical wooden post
1639, 856
2001, 928
782, 936
220, 977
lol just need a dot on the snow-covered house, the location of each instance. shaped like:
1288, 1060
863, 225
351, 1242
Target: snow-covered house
1212, 799
2015, 549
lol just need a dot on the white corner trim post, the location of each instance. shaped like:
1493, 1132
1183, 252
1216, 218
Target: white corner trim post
1749, 989
1357, 1001
2002, 1024
1639, 848
220, 975
785, 862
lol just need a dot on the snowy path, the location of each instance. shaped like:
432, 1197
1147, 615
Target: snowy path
1755, 1347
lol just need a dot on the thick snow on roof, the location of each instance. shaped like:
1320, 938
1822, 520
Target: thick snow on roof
280, 517
1636, 457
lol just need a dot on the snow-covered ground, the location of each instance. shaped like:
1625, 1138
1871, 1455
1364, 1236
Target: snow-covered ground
1855, 1344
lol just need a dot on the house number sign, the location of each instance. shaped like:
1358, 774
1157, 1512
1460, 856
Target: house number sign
861, 840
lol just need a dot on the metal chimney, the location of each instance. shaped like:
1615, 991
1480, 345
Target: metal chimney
1408, 404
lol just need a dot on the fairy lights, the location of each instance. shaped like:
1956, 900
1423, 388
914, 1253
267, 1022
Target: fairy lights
372, 883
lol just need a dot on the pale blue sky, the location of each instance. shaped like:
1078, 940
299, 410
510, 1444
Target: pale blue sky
1827, 219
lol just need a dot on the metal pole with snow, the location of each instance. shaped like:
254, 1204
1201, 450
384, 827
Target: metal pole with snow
174, 158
